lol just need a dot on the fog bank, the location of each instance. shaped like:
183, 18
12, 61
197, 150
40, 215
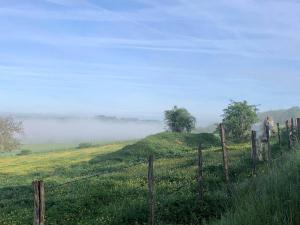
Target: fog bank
85, 130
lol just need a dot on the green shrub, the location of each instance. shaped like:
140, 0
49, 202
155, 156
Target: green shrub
25, 152
84, 145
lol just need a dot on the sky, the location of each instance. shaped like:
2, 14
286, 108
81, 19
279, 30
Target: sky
141, 57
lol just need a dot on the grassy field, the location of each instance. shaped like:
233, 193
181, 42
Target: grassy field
118, 192
52, 146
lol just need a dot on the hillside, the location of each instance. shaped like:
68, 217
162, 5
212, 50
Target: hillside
281, 115
108, 184
164, 145
118, 192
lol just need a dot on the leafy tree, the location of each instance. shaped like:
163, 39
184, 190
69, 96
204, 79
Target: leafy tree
238, 118
179, 120
8, 131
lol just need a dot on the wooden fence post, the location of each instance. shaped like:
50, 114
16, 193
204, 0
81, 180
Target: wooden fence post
200, 173
151, 219
254, 152
225, 153
288, 134
298, 128
293, 133
268, 142
39, 202
279, 134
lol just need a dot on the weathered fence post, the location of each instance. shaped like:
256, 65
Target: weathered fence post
254, 152
279, 134
225, 153
151, 219
288, 134
298, 128
293, 133
268, 142
200, 173
39, 203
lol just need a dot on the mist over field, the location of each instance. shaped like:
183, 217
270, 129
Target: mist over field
78, 130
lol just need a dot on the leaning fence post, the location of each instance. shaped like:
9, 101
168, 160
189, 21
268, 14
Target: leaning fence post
39, 203
225, 153
254, 152
200, 173
151, 219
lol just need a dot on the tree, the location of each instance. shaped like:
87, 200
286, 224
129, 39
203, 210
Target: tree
238, 118
179, 120
8, 131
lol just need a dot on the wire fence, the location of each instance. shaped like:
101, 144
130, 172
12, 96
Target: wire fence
37, 193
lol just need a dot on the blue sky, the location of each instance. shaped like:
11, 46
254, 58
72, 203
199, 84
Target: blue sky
140, 57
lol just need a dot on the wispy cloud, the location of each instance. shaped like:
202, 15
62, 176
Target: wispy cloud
68, 2
253, 28
160, 51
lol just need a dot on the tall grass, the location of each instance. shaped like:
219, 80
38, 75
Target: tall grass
271, 199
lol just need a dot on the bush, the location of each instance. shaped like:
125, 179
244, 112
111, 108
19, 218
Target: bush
238, 118
179, 120
25, 152
84, 145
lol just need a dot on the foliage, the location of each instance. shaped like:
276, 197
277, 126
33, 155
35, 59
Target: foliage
238, 118
84, 145
8, 131
179, 120
25, 152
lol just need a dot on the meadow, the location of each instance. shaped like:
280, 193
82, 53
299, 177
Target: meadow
108, 184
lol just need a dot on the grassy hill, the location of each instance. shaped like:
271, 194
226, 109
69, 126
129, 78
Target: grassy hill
161, 145
281, 115
108, 184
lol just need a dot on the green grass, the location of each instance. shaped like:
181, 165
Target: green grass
118, 195
52, 146
272, 199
